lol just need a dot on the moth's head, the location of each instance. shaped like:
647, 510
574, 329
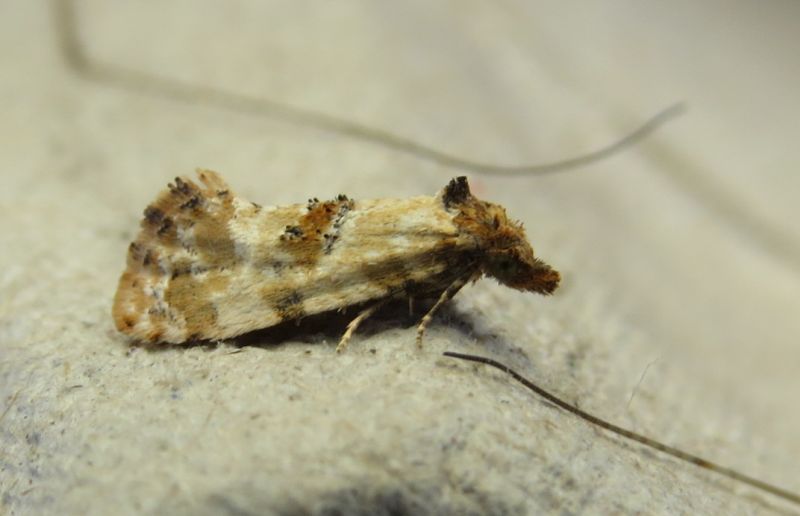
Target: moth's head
506, 254
510, 260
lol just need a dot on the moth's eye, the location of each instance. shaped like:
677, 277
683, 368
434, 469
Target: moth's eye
496, 222
505, 265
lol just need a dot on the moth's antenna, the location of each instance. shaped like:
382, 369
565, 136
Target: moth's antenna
142, 82
631, 139
651, 443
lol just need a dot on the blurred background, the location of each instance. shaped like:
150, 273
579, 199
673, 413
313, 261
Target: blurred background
678, 313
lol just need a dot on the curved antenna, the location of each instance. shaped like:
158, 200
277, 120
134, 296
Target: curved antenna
633, 436
640, 133
139, 81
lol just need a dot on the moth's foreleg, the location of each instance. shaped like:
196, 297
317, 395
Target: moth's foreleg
351, 328
446, 295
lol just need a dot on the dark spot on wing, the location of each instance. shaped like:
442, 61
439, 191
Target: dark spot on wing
153, 215
290, 307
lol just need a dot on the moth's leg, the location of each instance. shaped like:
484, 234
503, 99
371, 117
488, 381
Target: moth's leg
410, 306
351, 328
446, 295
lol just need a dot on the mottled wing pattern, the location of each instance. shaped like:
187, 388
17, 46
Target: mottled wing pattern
209, 265
183, 245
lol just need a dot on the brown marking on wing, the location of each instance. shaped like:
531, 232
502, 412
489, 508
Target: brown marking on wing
182, 266
316, 231
191, 298
288, 307
216, 282
213, 239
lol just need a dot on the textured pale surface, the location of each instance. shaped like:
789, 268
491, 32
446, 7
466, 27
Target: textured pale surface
680, 258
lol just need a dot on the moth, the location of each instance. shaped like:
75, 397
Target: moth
208, 264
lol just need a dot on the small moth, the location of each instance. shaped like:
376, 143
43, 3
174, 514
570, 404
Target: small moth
210, 265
